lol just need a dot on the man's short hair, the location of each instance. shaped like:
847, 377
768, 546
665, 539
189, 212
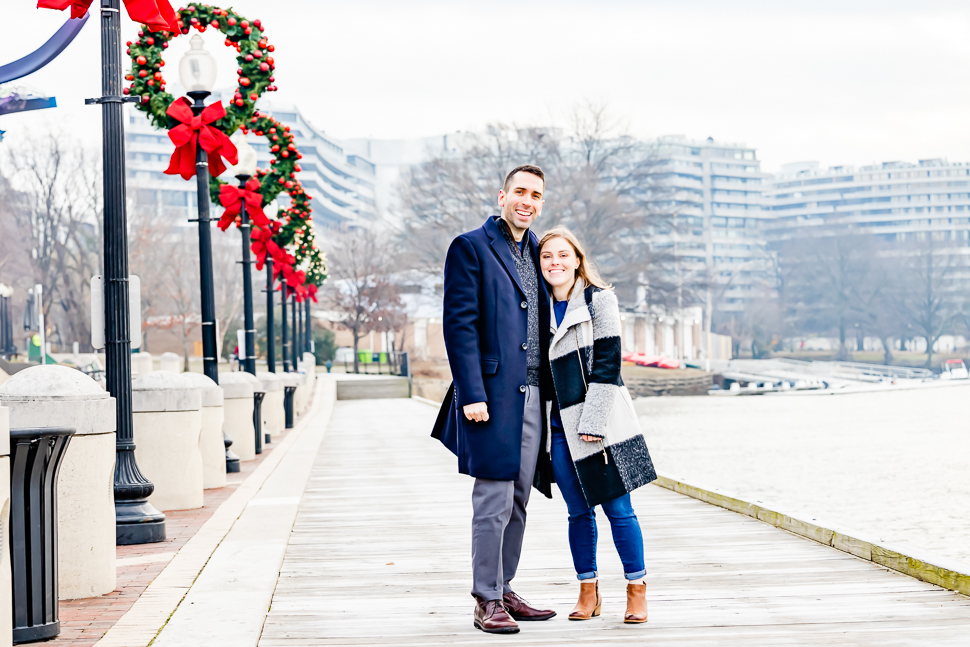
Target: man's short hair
525, 168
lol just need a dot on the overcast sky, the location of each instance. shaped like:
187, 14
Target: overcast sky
841, 82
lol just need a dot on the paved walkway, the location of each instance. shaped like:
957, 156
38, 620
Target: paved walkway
379, 555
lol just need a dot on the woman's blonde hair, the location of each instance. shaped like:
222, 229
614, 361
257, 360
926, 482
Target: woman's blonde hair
587, 269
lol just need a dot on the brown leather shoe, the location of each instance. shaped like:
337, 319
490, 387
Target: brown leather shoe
589, 603
520, 609
636, 604
491, 617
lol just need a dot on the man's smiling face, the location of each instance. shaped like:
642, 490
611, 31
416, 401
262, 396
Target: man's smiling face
522, 202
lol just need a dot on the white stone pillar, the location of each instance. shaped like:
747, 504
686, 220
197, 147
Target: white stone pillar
239, 387
274, 418
167, 426
141, 364
211, 444
170, 362
6, 586
57, 396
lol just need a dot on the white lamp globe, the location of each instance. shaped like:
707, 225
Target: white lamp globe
197, 69
272, 209
247, 157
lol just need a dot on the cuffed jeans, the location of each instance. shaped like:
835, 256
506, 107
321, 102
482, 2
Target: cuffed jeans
498, 513
627, 536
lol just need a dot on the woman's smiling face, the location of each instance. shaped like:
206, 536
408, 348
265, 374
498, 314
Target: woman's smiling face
559, 263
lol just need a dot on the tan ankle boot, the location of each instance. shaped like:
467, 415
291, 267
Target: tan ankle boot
589, 603
636, 603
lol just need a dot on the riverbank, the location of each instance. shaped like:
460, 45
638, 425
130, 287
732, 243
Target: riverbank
891, 464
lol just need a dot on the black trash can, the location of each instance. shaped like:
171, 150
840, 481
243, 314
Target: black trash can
288, 405
35, 459
258, 419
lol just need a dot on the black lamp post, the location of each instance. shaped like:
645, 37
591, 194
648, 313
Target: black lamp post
283, 333
243, 171
296, 336
309, 327
197, 71
137, 522
270, 307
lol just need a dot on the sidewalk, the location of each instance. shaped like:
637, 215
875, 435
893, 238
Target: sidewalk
358, 534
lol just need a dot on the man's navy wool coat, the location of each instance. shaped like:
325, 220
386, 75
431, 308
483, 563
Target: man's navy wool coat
485, 330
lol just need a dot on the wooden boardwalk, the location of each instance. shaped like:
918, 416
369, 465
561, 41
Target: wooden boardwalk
380, 555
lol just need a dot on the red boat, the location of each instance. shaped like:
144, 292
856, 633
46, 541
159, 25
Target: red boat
656, 361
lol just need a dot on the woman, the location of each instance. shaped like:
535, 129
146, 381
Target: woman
598, 452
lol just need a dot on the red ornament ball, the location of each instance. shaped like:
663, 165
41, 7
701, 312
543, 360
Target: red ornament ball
244, 24
231, 21
141, 60
263, 67
142, 73
150, 41
244, 81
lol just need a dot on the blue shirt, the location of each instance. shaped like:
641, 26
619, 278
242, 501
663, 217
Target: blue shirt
559, 307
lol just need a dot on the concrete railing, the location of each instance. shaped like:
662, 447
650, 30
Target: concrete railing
239, 388
57, 396
167, 427
211, 443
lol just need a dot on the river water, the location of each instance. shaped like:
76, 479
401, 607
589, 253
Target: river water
894, 465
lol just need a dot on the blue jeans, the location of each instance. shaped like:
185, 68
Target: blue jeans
582, 519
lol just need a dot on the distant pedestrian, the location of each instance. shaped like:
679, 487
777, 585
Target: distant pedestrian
329, 365
496, 329
598, 452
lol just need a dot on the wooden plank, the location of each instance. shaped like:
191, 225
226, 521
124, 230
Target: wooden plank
380, 555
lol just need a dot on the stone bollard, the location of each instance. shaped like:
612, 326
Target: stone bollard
141, 364
57, 396
6, 586
273, 415
211, 443
167, 425
170, 362
239, 388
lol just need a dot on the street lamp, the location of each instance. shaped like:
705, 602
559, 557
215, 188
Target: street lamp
244, 170
197, 72
270, 210
136, 520
6, 326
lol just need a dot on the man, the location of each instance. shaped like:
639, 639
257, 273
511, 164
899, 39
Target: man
496, 328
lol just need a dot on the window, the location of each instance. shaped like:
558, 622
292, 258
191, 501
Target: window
718, 221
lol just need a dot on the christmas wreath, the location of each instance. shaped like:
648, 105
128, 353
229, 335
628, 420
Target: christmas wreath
304, 269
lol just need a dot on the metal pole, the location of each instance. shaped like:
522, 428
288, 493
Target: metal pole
283, 334
137, 522
298, 346
210, 361
249, 362
309, 327
296, 338
39, 300
270, 331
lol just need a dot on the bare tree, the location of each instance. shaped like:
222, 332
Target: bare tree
361, 289
926, 295
52, 197
603, 184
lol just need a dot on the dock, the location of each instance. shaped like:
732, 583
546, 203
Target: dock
378, 553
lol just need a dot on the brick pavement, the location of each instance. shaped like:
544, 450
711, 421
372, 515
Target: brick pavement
85, 621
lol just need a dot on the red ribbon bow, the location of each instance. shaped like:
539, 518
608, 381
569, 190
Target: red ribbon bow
311, 291
213, 141
263, 244
232, 198
157, 14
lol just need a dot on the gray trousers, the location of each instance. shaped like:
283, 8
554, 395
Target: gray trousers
498, 513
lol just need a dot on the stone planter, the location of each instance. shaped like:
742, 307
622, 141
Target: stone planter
167, 426
239, 388
6, 586
57, 396
273, 415
170, 362
141, 365
211, 444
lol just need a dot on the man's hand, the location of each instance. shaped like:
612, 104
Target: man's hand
591, 439
477, 411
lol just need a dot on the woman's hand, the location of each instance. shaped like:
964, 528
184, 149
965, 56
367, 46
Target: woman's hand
591, 439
